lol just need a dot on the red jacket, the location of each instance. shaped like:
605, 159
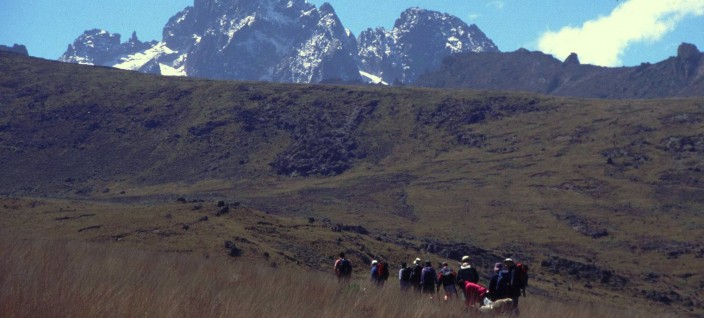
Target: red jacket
474, 293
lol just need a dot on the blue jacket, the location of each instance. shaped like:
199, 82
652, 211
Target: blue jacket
374, 273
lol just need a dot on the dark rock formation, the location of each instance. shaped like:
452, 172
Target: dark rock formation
585, 226
233, 250
16, 48
583, 271
350, 228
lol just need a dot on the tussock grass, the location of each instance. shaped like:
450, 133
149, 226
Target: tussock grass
67, 279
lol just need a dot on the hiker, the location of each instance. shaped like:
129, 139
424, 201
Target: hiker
446, 279
428, 279
521, 277
383, 272
514, 285
375, 272
466, 273
379, 273
404, 277
343, 268
474, 294
416, 272
495, 293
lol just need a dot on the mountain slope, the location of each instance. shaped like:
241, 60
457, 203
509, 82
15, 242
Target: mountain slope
603, 198
682, 75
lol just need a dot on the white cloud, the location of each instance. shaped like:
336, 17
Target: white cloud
497, 4
603, 40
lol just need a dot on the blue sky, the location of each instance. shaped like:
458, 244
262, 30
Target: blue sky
602, 32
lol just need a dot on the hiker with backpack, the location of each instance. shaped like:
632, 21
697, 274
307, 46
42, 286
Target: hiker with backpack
416, 272
495, 291
446, 279
383, 272
518, 280
428, 279
379, 273
522, 277
343, 268
404, 277
466, 273
375, 272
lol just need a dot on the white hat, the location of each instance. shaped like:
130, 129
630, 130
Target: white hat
374, 262
508, 260
465, 258
417, 261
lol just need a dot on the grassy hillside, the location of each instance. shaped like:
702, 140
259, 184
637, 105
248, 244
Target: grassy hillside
601, 198
57, 279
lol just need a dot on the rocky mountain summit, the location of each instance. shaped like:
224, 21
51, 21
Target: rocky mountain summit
284, 41
270, 40
99, 47
419, 41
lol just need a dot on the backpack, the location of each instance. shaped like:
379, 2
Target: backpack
383, 271
345, 267
406, 274
447, 277
503, 284
468, 274
427, 277
521, 280
416, 271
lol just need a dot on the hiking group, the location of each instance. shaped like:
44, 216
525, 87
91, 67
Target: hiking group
506, 285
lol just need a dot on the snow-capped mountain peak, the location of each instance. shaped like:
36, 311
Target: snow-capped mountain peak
284, 41
418, 42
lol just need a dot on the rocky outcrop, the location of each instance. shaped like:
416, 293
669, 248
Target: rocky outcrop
583, 271
100, 47
323, 145
585, 226
16, 48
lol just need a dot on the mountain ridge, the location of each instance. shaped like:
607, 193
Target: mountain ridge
282, 42
523, 70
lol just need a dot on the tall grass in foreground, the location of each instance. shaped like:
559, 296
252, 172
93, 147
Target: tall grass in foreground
49, 279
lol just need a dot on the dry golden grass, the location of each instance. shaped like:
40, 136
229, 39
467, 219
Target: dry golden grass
75, 279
